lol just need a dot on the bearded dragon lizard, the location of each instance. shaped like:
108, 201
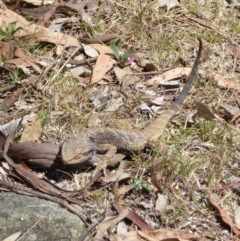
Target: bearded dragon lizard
82, 147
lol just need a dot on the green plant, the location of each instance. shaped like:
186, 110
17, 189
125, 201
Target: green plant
140, 184
14, 75
9, 31
121, 59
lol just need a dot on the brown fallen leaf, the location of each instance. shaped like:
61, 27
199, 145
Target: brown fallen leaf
115, 177
222, 82
14, 236
16, 62
30, 80
22, 63
169, 75
38, 2
108, 224
104, 62
33, 129
101, 39
204, 111
20, 54
180, 72
10, 99
124, 189
30, 60
129, 236
43, 14
213, 199
235, 117
33, 32
168, 235
6, 50
132, 216
168, 3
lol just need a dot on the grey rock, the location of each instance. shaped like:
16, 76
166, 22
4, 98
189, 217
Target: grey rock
45, 220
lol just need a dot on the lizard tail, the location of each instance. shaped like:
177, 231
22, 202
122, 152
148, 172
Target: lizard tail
155, 129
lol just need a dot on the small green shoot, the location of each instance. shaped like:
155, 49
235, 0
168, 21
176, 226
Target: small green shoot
9, 31
121, 59
140, 184
14, 75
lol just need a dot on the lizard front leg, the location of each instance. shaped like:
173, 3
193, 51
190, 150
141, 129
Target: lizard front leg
74, 151
111, 151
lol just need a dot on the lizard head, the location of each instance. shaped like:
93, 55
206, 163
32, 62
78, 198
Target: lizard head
75, 151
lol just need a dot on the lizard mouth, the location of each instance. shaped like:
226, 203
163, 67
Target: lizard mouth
85, 153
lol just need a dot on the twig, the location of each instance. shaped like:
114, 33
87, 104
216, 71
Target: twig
214, 188
7, 88
83, 61
101, 39
90, 228
96, 176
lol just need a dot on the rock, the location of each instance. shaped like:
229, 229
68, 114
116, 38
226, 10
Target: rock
44, 220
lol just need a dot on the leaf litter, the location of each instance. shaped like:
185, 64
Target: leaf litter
58, 77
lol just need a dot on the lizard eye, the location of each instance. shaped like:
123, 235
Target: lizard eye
68, 137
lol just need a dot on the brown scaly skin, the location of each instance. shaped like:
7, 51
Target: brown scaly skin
78, 149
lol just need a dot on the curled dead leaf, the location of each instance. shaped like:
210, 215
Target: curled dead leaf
180, 72
224, 215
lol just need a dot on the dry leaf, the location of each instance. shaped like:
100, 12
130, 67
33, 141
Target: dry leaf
33, 32
89, 51
235, 117
20, 54
170, 235
121, 227
219, 79
224, 215
108, 224
237, 217
130, 236
6, 51
121, 73
132, 216
233, 110
33, 129
204, 111
10, 99
124, 189
115, 177
169, 75
180, 72
39, 2
168, 3
161, 202
14, 236
104, 62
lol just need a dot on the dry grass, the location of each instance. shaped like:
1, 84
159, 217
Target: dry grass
200, 153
